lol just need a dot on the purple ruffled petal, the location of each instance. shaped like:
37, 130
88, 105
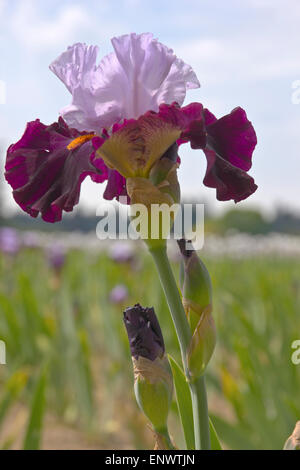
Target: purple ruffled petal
233, 138
189, 119
228, 144
116, 186
45, 175
116, 183
230, 182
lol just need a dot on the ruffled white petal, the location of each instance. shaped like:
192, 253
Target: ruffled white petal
139, 76
73, 64
180, 79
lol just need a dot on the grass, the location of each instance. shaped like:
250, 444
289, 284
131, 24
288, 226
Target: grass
68, 357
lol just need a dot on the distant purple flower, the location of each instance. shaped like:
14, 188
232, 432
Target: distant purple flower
56, 257
118, 294
9, 241
144, 333
30, 239
121, 252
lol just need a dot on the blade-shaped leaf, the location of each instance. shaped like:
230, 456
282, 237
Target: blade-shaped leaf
214, 438
13, 388
35, 423
184, 403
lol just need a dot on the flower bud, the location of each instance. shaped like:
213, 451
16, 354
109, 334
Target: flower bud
196, 285
160, 186
202, 344
163, 174
153, 382
197, 301
160, 195
163, 442
293, 442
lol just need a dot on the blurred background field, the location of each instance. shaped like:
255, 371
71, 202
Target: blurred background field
68, 379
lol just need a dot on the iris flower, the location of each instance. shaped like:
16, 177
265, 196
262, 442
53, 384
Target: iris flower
126, 114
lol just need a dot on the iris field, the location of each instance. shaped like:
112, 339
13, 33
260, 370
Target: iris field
68, 381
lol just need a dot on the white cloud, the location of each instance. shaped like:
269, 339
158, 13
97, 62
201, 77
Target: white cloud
3, 4
33, 31
259, 46
243, 57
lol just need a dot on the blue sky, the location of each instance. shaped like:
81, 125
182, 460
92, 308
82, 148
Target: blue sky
245, 53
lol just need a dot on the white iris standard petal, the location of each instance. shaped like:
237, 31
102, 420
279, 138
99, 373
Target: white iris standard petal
137, 77
74, 64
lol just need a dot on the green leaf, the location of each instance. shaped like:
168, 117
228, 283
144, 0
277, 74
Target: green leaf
35, 423
214, 438
233, 436
184, 402
185, 408
12, 390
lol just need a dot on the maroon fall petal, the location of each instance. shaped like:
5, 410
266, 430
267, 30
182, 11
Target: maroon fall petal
230, 144
45, 168
232, 137
116, 186
230, 181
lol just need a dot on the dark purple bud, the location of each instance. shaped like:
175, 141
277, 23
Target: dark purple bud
144, 333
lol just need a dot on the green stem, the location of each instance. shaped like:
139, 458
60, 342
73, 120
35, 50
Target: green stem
200, 413
197, 388
174, 301
164, 440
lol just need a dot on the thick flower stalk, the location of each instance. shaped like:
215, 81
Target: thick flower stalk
153, 382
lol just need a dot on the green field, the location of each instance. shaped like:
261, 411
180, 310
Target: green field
68, 378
